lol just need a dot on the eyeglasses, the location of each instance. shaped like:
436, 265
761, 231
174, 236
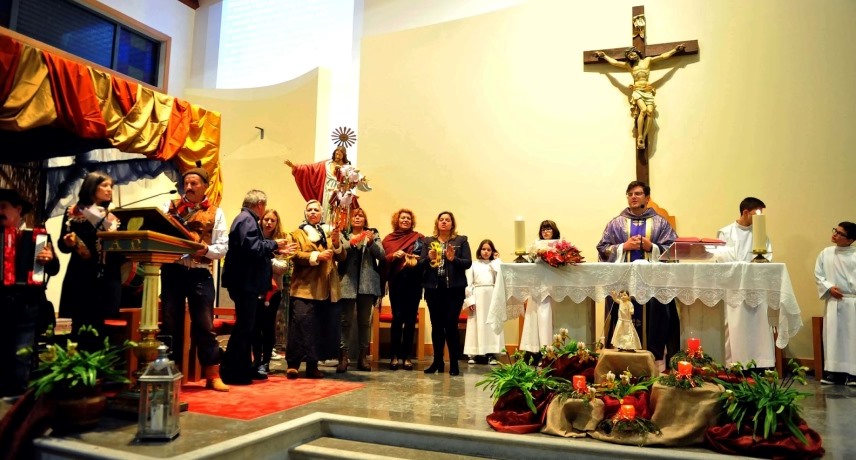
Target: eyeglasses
843, 235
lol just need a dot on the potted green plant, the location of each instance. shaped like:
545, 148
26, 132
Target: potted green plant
521, 393
763, 415
71, 379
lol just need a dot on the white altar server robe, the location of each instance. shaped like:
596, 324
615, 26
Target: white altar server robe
480, 338
836, 266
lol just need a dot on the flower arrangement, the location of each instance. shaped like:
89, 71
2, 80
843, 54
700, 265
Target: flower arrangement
67, 368
626, 385
767, 400
625, 421
519, 375
563, 346
559, 253
699, 359
683, 381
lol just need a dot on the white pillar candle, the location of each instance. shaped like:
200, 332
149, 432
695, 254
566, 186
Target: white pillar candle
519, 235
759, 232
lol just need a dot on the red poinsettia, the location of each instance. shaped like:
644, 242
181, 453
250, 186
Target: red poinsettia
560, 253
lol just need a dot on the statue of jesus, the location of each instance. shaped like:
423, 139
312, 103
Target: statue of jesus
642, 93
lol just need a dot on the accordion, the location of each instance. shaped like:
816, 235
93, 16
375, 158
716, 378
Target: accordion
18, 266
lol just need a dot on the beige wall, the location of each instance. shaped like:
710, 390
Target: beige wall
494, 116
290, 114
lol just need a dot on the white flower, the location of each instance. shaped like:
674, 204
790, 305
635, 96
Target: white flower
557, 338
581, 345
563, 331
610, 377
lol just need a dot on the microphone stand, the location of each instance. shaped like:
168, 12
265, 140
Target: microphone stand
147, 198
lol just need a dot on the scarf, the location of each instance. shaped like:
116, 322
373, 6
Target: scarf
184, 206
399, 240
315, 233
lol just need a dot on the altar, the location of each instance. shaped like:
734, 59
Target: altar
762, 292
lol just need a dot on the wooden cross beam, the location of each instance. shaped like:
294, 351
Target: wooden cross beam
657, 51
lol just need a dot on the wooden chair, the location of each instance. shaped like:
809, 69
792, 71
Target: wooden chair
224, 322
817, 343
382, 319
126, 327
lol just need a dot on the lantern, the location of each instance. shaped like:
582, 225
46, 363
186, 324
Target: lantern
160, 385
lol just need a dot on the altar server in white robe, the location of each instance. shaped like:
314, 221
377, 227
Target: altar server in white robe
835, 274
538, 317
746, 321
480, 339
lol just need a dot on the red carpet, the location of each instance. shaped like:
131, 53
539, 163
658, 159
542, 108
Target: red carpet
262, 398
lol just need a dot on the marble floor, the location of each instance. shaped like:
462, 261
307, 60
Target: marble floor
440, 400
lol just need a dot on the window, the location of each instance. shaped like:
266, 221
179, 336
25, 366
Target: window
88, 34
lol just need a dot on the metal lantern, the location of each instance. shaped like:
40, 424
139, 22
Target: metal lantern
160, 385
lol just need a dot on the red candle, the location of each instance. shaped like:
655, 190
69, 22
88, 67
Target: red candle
579, 383
693, 344
685, 368
627, 411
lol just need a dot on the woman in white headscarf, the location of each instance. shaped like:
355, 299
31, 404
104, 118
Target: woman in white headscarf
314, 330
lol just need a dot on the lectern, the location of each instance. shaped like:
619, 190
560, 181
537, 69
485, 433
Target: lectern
152, 238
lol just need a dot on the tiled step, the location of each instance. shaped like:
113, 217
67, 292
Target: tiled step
333, 448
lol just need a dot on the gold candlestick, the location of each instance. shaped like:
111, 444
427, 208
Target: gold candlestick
759, 257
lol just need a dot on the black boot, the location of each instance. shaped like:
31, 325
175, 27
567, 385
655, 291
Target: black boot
363, 361
436, 366
343, 361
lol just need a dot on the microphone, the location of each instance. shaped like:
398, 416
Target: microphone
642, 206
147, 198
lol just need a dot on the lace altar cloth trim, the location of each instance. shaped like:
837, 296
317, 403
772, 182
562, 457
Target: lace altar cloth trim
735, 284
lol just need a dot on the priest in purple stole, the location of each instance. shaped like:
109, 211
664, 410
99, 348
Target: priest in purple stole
640, 233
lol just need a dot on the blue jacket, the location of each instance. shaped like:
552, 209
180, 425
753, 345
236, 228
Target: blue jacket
248, 265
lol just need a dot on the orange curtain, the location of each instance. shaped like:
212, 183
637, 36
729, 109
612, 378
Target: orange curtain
39, 89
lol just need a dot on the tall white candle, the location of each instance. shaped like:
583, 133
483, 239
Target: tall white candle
519, 235
759, 232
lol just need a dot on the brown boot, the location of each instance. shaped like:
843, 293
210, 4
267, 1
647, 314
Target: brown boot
212, 378
343, 361
363, 362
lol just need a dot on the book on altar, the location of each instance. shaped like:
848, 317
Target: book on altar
692, 249
693, 239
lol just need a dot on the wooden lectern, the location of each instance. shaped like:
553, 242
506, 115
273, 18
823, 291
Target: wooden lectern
152, 238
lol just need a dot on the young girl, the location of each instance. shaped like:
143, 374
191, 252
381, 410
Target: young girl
481, 340
538, 318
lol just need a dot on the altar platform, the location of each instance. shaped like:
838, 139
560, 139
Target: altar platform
410, 404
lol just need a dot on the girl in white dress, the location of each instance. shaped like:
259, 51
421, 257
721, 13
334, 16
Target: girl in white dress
538, 317
480, 339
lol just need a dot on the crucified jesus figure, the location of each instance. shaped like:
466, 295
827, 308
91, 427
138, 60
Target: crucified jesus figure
642, 93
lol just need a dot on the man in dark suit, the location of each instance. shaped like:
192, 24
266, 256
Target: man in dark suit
247, 275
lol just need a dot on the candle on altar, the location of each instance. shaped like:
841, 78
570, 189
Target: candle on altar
693, 344
685, 368
519, 235
579, 383
627, 411
759, 232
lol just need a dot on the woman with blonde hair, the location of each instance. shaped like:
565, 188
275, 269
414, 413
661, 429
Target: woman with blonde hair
269, 307
404, 277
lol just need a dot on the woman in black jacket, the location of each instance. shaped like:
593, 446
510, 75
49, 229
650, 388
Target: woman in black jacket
446, 258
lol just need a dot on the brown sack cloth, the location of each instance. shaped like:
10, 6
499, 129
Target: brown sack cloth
572, 418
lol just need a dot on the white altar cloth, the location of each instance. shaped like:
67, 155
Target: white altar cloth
732, 283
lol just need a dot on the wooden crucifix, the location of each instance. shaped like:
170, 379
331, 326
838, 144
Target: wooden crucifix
636, 61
